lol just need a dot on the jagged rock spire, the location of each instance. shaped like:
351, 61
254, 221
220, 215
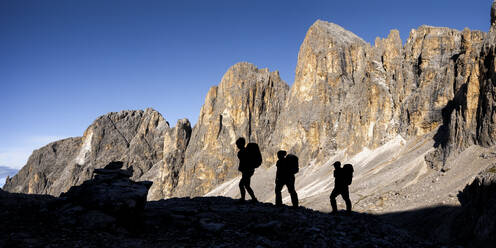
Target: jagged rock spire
493, 14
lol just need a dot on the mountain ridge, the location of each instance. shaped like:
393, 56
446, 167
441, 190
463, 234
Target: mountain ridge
435, 92
6, 172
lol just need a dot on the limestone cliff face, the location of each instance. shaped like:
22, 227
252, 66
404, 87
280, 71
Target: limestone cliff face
460, 113
349, 95
246, 103
442, 73
166, 174
329, 81
486, 128
428, 77
135, 137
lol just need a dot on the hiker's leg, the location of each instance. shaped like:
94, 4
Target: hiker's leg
242, 186
278, 193
333, 196
292, 192
345, 193
248, 188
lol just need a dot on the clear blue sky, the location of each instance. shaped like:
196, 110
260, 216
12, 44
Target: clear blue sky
64, 63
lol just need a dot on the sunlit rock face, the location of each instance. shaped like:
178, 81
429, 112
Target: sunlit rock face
134, 137
441, 77
166, 174
247, 103
429, 75
341, 98
349, 95
330, 62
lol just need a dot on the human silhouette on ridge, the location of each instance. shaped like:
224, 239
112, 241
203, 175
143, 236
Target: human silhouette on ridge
342, 179
250, 158
287, 166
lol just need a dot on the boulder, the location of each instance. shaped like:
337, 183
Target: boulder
110, 191
476, 222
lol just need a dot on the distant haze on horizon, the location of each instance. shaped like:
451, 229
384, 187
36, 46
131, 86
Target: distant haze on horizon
64, 63
4, 172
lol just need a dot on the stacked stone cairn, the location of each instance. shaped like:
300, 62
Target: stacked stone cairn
110, 196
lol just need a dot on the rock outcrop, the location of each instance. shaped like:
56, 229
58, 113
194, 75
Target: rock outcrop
476, 222
246, 103
5, 173
471, 224
349, 95
110, 191
134, 137
44, 167
328, 84
486, 114
166, 175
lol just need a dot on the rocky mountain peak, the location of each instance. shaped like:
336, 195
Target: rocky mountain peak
243, 72
165, 175
493, 13
246, 103
333, 31
392, 38
135, 137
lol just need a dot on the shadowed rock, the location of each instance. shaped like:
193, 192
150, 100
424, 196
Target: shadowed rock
110, 191
477, 221
192, 222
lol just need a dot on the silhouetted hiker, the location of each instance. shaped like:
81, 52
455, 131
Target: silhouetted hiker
250, 158
342, 178
287, 167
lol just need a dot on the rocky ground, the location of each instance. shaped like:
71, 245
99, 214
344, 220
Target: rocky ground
110, 210
391, 178
33, 221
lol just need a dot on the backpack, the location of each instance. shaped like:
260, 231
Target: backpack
348, 173
254, 155
292, 163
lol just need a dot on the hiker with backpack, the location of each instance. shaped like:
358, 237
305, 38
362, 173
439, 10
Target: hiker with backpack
342, 179
250, 158
287, 167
